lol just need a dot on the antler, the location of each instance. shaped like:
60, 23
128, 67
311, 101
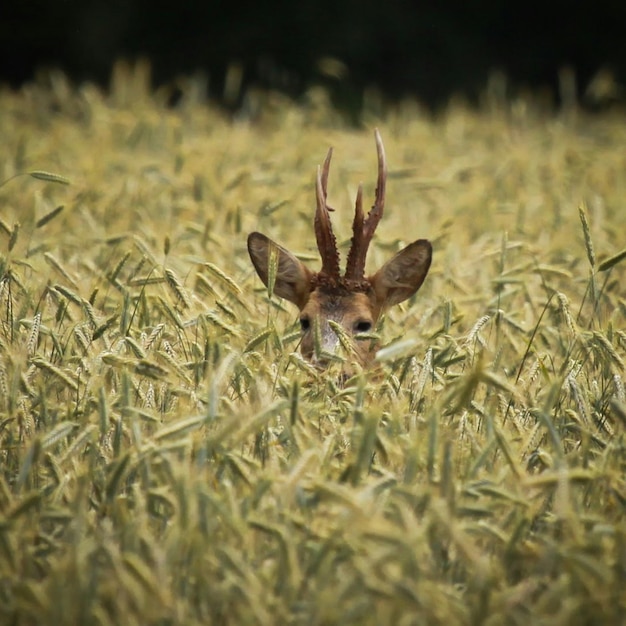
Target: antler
363, 229
326, 242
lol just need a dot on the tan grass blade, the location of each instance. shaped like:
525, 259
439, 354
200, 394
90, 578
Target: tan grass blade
177, 288
48, 217
591, 255
612, 261
49, 177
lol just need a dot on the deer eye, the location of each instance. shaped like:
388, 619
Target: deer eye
305, 324
363, 326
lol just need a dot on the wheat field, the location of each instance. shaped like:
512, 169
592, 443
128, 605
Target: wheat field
168, 458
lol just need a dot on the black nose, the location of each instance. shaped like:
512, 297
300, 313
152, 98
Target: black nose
321, 361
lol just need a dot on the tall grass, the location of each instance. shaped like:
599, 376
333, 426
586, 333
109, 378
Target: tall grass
167, 457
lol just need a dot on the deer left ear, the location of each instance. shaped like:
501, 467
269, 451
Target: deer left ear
403, 275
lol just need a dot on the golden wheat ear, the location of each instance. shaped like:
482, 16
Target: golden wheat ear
403, 275
291, 278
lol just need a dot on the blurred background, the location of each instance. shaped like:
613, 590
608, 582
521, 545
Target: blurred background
427, 50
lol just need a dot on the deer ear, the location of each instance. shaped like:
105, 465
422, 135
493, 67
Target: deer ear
403, 275
293, 278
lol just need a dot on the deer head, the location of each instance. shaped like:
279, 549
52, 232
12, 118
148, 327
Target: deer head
334, 308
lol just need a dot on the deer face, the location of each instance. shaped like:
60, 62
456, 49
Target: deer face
327, 316
337, 309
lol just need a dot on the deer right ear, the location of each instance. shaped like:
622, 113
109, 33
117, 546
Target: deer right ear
403, 275
293, 278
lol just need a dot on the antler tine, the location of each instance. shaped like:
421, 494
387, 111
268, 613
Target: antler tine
376, 212
354, 267
326, 242
325, 170
363, 229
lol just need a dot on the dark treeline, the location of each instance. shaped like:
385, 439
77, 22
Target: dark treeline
428, 49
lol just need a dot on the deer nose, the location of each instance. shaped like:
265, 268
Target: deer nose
326, 347
320, 361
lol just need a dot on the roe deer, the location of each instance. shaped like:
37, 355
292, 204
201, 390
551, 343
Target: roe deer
334, 308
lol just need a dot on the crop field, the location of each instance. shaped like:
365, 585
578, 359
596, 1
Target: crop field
168, 458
